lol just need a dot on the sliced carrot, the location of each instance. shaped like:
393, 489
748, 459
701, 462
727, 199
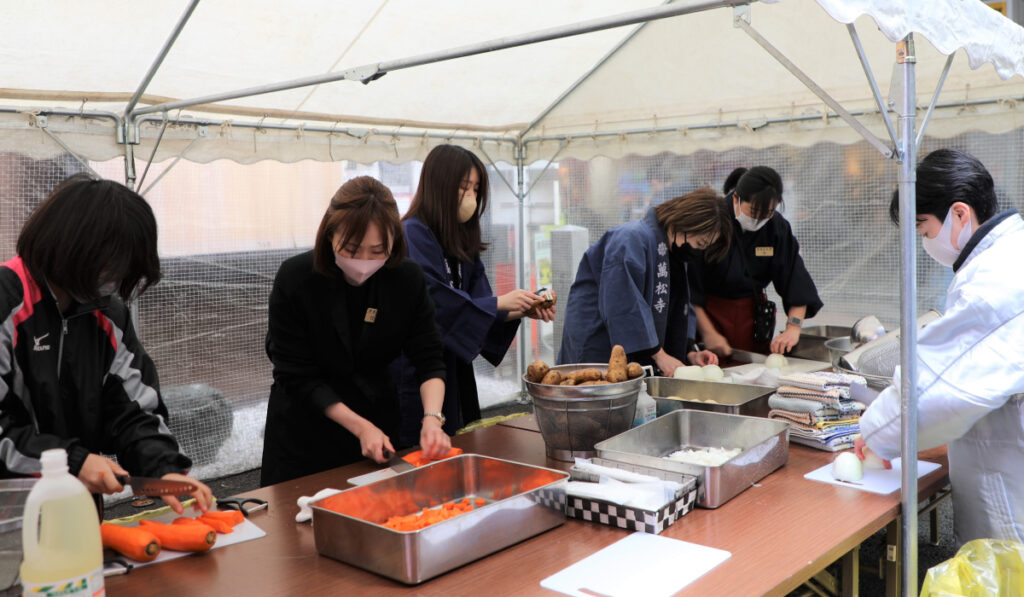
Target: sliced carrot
480, 501
182, 537
133, 542
220, 526
232, 517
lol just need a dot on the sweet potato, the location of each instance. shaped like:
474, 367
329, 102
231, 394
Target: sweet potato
132, 542
552, 378
634, 370
617, 365
536, 371
583, 375
181, 537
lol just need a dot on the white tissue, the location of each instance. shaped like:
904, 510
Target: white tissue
305, 511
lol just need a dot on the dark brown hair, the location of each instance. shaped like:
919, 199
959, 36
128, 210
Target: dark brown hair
701, 212
436, 202
87, 229
358, 203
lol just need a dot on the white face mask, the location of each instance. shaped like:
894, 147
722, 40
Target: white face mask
747, 222
941, 247
108, 289
358, 271
467, 207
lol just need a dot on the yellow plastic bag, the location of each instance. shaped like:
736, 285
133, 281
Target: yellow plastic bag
982, 568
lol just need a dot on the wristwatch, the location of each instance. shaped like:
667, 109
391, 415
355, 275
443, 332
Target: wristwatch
438, 416
795, 321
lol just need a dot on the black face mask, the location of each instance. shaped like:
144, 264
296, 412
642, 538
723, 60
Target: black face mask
685, 252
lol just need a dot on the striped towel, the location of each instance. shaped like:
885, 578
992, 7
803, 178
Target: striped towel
821, 380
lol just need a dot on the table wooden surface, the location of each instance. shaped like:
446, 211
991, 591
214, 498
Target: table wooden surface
780, 532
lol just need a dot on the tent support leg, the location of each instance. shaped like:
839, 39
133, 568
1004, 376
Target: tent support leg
906, 59
521, 281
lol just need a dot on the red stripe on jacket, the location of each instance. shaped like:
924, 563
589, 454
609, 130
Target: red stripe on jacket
31, 293
107, 326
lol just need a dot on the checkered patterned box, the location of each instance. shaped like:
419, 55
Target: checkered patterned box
633, 519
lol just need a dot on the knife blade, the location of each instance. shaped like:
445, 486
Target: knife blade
151, 486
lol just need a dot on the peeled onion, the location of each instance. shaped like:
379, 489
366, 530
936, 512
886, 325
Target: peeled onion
775, 361
712, 372
872, 460
688, 372
847, 467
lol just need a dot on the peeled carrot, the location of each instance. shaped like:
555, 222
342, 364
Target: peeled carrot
429, 516
133, 542
232, 517
182, 537
216, 524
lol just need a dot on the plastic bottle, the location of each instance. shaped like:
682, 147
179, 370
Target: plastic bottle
646, 407
62, 551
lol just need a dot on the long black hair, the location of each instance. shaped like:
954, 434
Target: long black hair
89, 232
436, 202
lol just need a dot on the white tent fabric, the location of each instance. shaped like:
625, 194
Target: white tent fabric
680, 84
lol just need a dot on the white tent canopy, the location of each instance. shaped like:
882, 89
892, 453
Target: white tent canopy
680, 84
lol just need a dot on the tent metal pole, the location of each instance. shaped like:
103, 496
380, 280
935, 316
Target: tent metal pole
551, 160
814, 87
160, 57
370, 72
871, 81
167, 170
935, 100
561, 98
152, 154
70, 151
524, 337
496, 170
906, 58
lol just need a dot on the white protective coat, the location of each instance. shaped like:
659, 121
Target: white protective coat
971, 389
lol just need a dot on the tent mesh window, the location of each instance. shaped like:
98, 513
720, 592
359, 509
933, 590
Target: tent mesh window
225, 228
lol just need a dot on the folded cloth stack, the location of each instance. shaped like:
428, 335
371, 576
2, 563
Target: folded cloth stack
819, 409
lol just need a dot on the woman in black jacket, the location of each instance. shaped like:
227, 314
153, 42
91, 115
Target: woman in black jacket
339, 315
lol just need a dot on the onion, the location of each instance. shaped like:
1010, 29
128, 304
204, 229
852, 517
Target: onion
688, 372
775, 361
712, 372
847, 467
872, 460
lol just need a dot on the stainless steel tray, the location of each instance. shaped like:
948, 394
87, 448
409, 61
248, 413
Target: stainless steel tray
764, 446
738, 399
521, 501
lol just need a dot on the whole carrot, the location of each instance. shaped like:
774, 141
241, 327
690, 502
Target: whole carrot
182, 537
133, 542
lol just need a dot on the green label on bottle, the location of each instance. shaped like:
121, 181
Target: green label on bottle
90, 585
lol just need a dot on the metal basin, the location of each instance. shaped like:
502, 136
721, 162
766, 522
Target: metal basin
837, 348
811, 345
736, 399
764, 446
574, 418
520, 501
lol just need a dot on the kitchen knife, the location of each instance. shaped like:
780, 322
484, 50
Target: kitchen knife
151, 486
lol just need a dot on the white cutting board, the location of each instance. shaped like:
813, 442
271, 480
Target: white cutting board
641, 565
242, 532
875, 480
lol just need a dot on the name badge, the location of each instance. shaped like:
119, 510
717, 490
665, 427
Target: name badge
371, 315
764, 251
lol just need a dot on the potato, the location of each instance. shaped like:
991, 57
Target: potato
634, 370
617, 365
536, 371
583, 375
568, 381
552, 378
598, 382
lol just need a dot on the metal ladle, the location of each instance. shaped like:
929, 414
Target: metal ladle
865, 330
